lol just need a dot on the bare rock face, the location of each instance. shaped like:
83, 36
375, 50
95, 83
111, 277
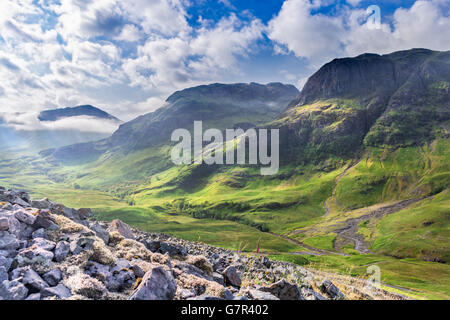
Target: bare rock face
157, 284
122, 228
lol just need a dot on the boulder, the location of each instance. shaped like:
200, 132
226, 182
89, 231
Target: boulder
310, 294
157, 284
45, 220
39, 233
122, 228
100, 232
8, 241
33, 281
25, 217
5, 262
44, 244
80, 244
60, 291
328, 287
13, 290
3, 274
206, 297
4, 224
231, 277
35, 255
284, 290
260, 295
84, 213
172, 249
34, 296
61, 251
53, 277
217, 277
41, 204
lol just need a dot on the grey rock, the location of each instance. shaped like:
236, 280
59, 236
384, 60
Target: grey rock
206, 297
231, 277
34, 296
81, 244
6, 262
61, 251
328, 287
284, 290
122, 228
4, 224
98, 271
35, 255
217, 277
172, 249
39, 233
15, 227
260, 295
33, 281
183, 267
157, 284
24, 217
13, 290
310, 294
41, 204
60, 291
44, 244
84, 213
100, 232
153, 246
3, 274
20, 202
53, 277
45, 220
8, 241
138, 272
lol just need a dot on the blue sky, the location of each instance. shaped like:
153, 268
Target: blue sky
126, 57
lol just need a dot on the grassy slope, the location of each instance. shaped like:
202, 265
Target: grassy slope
293, 200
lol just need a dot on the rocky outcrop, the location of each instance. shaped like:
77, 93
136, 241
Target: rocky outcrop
49, 251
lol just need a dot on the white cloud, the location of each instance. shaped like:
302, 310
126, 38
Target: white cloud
319, 38
354, 2
122, 55
28, 121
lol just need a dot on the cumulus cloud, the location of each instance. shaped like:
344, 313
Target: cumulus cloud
128, 56
299, 29
119, 54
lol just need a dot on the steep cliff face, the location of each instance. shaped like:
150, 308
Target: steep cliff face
371, 100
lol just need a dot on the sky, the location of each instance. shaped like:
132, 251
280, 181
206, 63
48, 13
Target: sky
127, 57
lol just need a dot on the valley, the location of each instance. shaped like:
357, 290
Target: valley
364, 175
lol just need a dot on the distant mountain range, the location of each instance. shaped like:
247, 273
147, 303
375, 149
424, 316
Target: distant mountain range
15, 140
85, 110
364, 175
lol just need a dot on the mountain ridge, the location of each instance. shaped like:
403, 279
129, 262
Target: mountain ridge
82, 110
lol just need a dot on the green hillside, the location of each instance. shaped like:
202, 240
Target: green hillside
364, 178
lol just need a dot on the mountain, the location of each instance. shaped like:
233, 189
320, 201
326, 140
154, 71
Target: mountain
363, 182
217, 105
14, 140
85, 110
393, 100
